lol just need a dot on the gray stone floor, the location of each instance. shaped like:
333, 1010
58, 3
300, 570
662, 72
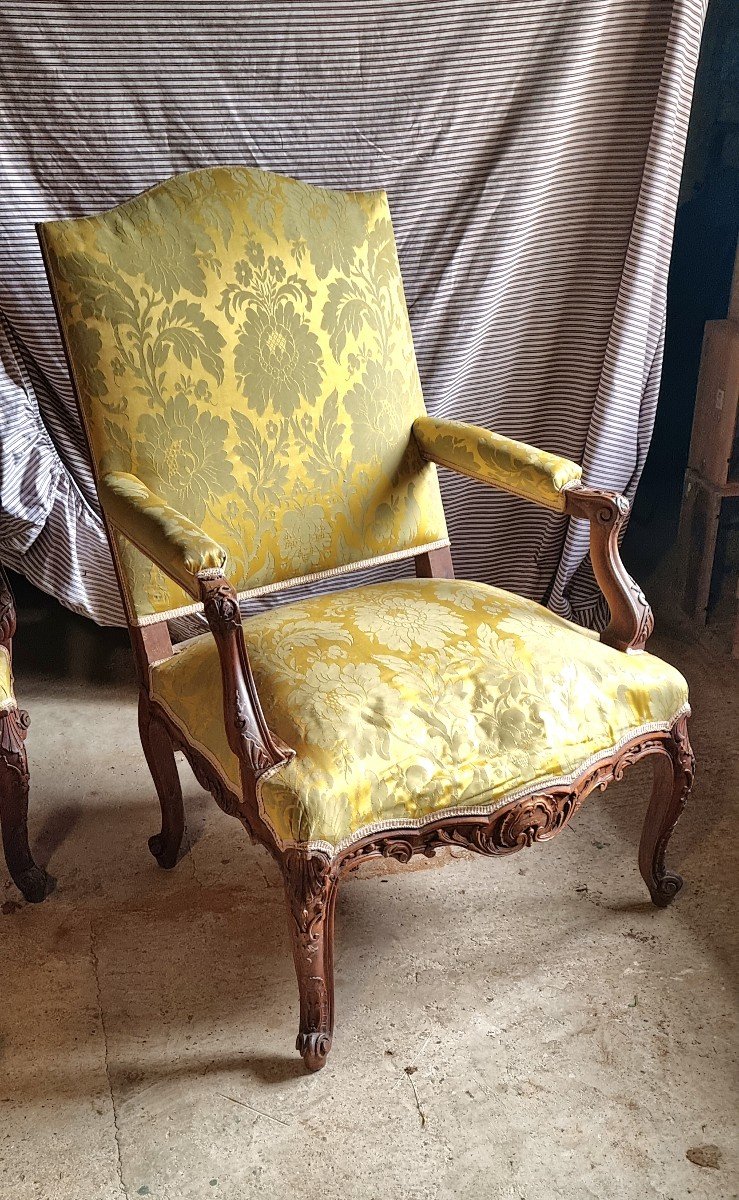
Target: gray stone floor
528, 1028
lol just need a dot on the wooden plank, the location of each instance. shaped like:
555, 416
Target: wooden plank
699, 518
727, 490
717, 402
734, 296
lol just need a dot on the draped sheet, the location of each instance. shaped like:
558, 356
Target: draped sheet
531, 150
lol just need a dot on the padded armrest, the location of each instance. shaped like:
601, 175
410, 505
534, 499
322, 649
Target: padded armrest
165, 536
511, 466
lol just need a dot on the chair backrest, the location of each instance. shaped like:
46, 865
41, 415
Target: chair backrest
240, 342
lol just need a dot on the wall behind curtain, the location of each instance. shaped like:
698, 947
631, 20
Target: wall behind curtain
532, 153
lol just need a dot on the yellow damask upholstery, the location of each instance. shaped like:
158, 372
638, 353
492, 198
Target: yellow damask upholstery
240, 344
7, 695
179, 547
512, 466
406, 699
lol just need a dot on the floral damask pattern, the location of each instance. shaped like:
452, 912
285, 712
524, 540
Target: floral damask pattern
174, 542
512, 466
85, 346
240, 343
305, 536
319, 221
145, 242
403, 622
277, 357
374, 415
185, 456
278, 360
405, 699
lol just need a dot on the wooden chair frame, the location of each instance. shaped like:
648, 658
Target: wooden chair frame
311, 878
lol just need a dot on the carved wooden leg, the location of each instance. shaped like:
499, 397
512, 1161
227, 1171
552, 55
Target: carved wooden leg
31, 880
673, 779
311, 899
160, 757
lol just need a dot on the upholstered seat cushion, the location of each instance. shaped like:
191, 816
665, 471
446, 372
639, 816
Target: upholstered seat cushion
406, 699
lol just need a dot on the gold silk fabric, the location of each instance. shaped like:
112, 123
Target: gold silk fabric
240, 344
407, 699
506, 464
180, 548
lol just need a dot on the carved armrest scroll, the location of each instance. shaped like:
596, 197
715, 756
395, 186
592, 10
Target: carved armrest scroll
631, 621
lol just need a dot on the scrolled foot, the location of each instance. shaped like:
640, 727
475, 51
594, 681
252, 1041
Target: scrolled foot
35, 884
673, 777
314, 1049
310, 890
159, 751
165, 850
663, 891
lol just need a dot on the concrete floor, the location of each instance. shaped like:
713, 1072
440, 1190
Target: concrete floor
528, 1028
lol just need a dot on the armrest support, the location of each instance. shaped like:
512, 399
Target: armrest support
554, 483
195, 561
631, 622
249, 736
502, 462
168, 538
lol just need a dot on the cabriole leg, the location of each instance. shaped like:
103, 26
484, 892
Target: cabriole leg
31, 880
159, 753
311, 900
673, 779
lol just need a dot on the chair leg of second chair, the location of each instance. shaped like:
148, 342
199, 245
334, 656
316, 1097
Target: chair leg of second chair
32, 881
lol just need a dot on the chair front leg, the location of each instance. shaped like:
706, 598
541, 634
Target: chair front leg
31, 880
673, 779
159, 752
311, 889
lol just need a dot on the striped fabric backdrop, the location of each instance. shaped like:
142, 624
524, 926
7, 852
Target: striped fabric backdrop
532, 153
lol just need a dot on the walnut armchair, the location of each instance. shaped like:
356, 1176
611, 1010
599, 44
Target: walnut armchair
241, 353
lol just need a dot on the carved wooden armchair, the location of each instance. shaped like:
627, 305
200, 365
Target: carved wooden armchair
241, 352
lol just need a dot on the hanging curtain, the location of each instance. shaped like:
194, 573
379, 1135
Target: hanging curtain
531, 150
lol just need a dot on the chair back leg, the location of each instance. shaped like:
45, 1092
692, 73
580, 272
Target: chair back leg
159, 751
673, 779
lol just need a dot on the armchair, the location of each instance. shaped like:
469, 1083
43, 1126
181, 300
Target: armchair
241, 353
